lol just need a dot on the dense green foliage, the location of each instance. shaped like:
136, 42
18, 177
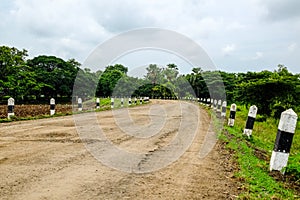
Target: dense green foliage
38, 79
271, 92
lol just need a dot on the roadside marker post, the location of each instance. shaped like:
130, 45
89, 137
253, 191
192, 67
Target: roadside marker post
208, 102
129, 101
215, 104
223, 111
79, 104
250, 121
112, 102
284, 139
122, 102
52, 106
232, 115
10, 107
97, 103
219, 106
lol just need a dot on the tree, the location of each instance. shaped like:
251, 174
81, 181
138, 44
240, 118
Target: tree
12, 64
56, 75
171, 72
272, 92
109, 78
154, 74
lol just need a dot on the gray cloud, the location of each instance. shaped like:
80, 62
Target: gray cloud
265, 30
277, 10
117, 17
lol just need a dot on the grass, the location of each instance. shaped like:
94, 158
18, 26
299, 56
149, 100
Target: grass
253, 159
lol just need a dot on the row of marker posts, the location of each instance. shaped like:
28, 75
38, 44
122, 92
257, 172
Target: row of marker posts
284, 137
218, 105
11, 104
145, 99
112, 102
11, 107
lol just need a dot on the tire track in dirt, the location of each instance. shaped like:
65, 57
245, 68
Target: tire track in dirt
38, 164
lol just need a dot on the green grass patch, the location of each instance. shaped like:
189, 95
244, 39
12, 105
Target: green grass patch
253, 158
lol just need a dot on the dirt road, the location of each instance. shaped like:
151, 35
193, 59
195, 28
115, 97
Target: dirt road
49, 159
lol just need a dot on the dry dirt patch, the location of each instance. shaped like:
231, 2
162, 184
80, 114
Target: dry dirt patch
45, 159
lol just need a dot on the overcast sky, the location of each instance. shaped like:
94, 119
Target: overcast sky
238, 36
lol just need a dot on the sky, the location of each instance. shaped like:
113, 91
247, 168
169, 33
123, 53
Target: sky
238, 36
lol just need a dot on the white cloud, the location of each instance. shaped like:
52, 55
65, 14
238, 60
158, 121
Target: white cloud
228, 49
292, 47
258, 55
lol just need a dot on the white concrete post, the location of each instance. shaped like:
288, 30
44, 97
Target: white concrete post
122, 102
212, 103
208, 102
250, 121
232, 115
79, 104
215, 104
219, 106
284, 138
129, 101
135, 100
97, 103
112, 102
10, 107
223, 111
141, 100
52, 106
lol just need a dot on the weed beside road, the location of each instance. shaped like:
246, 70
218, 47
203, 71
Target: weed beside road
253, 159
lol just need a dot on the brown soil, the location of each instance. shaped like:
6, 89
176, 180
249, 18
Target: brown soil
46, 159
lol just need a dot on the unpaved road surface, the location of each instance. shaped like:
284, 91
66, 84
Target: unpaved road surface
49, 159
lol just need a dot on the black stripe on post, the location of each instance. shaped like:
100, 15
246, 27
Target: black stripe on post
223, 109
80, 105
97, 104
52, 106
10, 108
232, 114
283, 141
250, 123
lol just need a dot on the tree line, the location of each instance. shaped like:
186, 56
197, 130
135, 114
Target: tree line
38, 79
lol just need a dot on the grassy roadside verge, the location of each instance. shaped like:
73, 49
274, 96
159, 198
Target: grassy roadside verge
252, 156
88, 106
